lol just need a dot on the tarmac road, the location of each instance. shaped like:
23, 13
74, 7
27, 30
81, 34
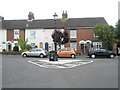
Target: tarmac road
17, 72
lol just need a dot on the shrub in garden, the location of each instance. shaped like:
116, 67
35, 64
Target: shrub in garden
28, 47
15, 48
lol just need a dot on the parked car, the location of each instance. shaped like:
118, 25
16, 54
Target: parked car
66, 52
100, 52
35, 52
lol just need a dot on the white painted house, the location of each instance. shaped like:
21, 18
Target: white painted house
2, 39
40, 38
2, 36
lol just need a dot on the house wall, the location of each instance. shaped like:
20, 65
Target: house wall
22, 34
10, 38
82, 34
10, 35
41, 36
2, 39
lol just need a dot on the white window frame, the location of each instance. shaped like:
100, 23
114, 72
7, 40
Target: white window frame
95, 44
32, 34
73, 34
16, 35
32, 45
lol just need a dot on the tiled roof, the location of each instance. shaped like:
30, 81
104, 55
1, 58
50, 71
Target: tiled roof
50, 23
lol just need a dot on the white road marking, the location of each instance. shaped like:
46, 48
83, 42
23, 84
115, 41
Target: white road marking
60, 63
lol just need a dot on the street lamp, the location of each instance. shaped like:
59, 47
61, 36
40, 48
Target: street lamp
55, 15
55, 43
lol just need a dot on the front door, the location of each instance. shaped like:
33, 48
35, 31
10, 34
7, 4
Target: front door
46, 46
41, 45
82, 48
9, 47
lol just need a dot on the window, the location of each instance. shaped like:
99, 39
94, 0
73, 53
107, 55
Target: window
38, 50
72, 33
104, 50
33, 50
32, 45
95, 35
73, 45
96, 49
3, 42
32, 35
97, 44
69, 49
63, 50
16, 34
16, 44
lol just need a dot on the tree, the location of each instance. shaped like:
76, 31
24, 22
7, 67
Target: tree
106, 34
65, 38
22, 43
60, 37
118, 30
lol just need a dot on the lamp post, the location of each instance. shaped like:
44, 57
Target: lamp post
55, 43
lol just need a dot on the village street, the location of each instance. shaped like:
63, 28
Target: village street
18, 72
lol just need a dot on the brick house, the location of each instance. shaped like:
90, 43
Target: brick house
82, 36
80, 32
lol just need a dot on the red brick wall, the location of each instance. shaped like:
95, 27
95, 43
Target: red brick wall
85, 34
82, 34
22, 34
10, 34
68, 44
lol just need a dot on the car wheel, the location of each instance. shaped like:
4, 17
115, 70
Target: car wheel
93, 55
72, 56
24, 55
41, 55
112, 55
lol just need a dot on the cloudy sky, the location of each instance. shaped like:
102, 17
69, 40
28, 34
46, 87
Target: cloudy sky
44, 9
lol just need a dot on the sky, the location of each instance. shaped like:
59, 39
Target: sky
44, 9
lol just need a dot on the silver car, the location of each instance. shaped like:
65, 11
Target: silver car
35, 52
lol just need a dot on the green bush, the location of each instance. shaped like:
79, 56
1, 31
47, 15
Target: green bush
4, 50
28, 47
25, 50
15, 48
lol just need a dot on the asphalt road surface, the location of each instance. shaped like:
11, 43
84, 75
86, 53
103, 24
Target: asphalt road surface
17, 72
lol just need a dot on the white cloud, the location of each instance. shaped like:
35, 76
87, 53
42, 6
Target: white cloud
44, 9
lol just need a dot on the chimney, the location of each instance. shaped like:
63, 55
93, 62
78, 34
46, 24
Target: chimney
31, 16
64, 15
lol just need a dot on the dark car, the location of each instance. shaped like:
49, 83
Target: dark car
100, 52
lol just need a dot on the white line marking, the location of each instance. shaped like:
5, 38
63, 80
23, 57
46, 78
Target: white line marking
58, 64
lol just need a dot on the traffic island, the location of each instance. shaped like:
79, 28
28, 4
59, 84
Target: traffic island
60, 63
